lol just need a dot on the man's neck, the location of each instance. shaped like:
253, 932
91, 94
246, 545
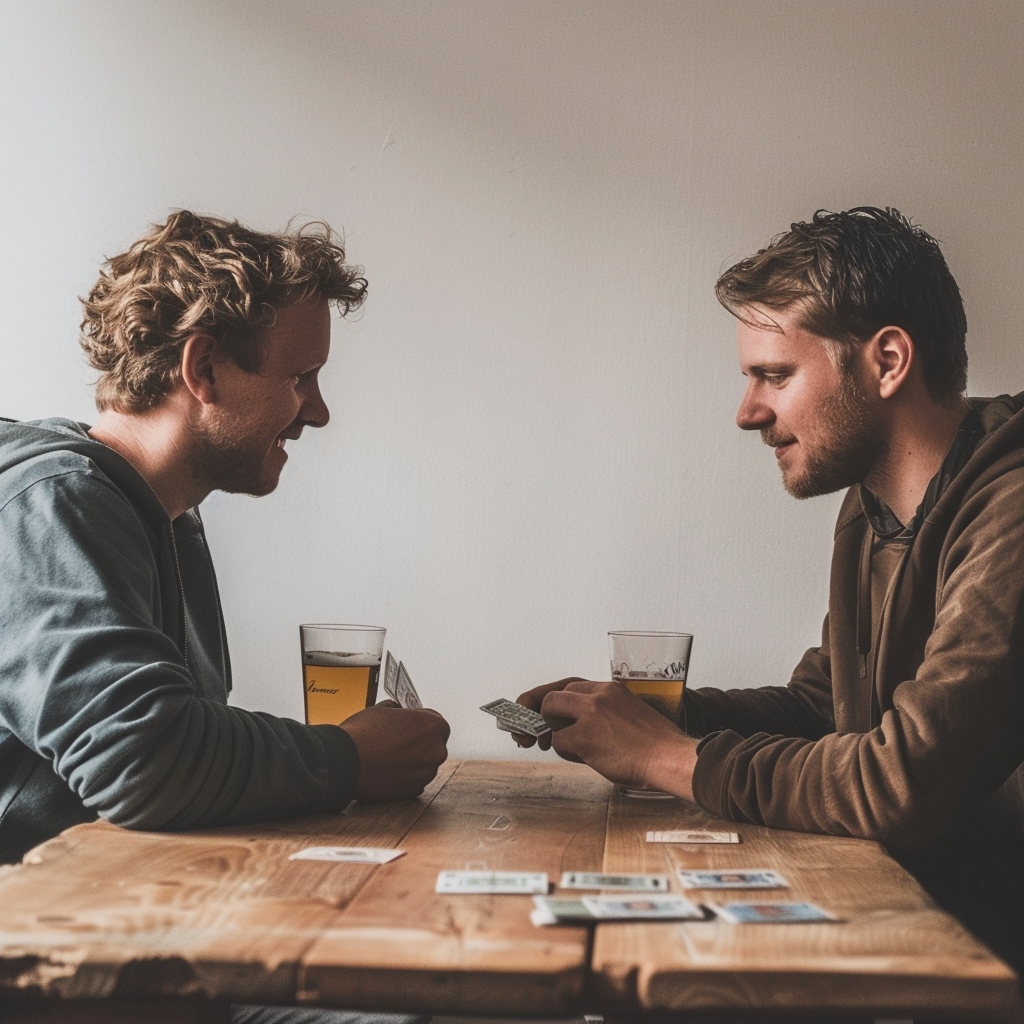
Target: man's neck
919, 440
153, 443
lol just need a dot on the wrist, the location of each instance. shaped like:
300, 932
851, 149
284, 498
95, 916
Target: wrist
671, 766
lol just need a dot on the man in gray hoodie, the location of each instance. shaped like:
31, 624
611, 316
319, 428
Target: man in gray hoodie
114, 660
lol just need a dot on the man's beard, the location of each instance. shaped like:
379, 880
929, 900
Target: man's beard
228, 461
844, 451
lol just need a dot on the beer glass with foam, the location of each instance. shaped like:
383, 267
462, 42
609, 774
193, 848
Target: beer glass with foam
340, 666
653, 666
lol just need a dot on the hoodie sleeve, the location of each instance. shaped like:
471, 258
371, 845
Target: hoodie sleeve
93, 684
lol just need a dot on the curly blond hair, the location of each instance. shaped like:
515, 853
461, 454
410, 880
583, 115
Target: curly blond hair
202, 274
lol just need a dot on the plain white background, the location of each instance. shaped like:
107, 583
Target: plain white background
532, 438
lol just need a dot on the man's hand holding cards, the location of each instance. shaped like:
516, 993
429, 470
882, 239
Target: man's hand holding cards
515, 718
398, 686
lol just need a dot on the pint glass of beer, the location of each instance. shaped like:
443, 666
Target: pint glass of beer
653, 666
340, 666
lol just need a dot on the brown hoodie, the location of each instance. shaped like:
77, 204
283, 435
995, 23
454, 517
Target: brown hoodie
914, 735
939, 735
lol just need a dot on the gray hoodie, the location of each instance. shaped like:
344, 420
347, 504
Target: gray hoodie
114, 670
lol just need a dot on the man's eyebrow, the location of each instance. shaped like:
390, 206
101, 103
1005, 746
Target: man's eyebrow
767, 369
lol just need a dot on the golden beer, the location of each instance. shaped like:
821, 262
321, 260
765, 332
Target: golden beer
664, 695
336, 688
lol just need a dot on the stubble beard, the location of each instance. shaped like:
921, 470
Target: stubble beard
845, 449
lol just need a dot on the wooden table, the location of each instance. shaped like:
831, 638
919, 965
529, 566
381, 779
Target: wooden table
99, 920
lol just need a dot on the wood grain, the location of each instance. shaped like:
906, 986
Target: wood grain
894, 954
471, 954
102, 912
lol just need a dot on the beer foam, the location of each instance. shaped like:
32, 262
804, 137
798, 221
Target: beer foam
339, 659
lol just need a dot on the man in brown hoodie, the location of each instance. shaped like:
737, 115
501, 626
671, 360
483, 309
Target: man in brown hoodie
906, 724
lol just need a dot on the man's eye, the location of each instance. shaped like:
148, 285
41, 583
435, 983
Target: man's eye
775, 379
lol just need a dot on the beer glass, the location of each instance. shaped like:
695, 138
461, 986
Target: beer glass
340, 666
653, 666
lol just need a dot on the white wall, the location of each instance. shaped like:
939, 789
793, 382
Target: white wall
533, 438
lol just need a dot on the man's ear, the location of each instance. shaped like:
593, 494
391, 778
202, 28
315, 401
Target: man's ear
892, 356
199, 366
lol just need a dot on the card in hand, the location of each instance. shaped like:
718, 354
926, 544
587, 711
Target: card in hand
507, 882
693, 835
772, 913
521, 719
762, 878
628, 883
643, 908
405, 692
391, 677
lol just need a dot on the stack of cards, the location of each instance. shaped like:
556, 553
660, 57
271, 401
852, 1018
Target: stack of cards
504, 882
398, 686
516, 718
555, 910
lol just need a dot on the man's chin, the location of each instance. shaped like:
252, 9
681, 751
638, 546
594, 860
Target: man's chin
257, 487
809, 486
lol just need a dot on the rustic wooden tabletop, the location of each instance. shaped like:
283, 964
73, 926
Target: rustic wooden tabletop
99, 920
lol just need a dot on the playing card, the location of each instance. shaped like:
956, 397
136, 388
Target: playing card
761, 878
519, 718
348, 854
629, 883
492, 882
554, 909
772, 913
697, 835
390, 676
642, 908
405, 692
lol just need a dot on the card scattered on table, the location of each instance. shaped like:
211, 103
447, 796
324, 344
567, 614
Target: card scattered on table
642, 908
696, 835
558, 910
772, 913
505, 882
521, 719
348, 854
628, 883
761, 878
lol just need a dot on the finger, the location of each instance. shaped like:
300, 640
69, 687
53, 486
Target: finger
562, 742
523, 740
532, 699
544, 742
586, 686
562, 704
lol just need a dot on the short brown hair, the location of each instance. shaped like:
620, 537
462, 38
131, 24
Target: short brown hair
196, 273
853, 273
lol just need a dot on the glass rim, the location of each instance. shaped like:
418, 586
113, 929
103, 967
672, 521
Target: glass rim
342, 625
645, 632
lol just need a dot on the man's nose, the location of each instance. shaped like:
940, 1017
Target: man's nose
753, 414
314, 410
